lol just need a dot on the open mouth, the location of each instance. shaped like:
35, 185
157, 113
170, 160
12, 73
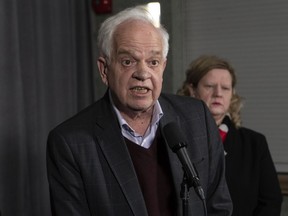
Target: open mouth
139, 89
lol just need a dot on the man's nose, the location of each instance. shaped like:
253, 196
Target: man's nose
142, 73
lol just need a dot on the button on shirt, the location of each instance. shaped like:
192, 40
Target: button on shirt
147, 139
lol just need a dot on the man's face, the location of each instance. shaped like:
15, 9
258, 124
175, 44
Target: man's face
135, 72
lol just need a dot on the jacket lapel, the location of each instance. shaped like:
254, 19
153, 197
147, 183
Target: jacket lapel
114, 149
176, 167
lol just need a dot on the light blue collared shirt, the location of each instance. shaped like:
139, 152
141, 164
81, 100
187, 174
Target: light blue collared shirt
128, 132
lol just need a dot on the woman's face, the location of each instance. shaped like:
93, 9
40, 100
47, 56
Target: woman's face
215, 89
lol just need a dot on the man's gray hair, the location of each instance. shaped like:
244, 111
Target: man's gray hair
108, 27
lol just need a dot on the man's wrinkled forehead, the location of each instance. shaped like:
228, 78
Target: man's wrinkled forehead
134, 36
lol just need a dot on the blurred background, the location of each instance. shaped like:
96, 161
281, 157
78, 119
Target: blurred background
48, 73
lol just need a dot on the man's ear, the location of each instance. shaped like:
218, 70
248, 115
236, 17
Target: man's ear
102, 67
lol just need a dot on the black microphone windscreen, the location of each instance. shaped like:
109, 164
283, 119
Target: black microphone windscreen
174, 136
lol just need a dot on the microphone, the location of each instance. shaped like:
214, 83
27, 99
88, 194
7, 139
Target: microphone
176, 142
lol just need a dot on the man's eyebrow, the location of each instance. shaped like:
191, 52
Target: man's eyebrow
124, 52
156, 52
133, 53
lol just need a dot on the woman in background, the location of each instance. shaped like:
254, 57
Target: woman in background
250, 172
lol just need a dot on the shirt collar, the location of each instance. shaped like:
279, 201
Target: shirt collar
157, 115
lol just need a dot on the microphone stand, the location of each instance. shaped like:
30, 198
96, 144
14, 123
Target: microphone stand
184, 194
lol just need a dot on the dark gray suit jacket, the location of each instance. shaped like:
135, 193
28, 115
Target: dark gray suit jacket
90, 171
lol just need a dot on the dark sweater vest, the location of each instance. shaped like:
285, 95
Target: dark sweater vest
154, 175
